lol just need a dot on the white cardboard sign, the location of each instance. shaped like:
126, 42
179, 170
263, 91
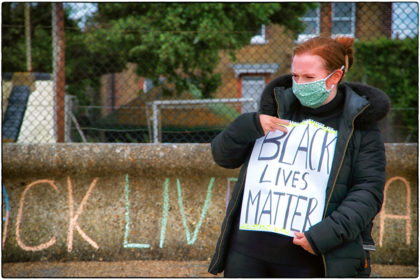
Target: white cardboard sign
287, 177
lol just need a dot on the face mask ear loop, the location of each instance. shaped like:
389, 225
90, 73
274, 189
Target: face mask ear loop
329, 76
343, 68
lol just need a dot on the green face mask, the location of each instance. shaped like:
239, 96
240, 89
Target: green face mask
312, 94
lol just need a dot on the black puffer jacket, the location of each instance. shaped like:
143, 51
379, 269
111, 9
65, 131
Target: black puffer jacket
355, 187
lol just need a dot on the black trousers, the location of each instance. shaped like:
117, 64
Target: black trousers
239, 265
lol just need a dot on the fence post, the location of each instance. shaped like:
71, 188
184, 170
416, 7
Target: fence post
28, 37
58, 66
155, 123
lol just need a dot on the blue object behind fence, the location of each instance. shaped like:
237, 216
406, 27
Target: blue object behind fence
15, 112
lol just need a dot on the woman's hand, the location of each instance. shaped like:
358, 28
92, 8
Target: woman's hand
270, 123
300, 239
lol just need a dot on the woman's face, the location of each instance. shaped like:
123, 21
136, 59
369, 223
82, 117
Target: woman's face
308, 68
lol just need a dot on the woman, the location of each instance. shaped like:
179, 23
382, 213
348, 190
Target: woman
336, 246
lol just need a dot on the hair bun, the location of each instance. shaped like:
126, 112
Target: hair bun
347, 43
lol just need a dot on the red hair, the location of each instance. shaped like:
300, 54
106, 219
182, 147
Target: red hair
332, 51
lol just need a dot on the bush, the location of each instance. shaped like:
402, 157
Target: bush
392, 66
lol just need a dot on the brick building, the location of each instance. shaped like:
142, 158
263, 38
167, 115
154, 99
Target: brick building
127, 96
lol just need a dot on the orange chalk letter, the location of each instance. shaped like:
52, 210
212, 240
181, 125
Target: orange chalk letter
73, 218
19, 219
383, 215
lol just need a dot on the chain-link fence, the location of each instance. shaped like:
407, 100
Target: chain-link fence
181, 72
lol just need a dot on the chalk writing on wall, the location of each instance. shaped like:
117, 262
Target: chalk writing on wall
165, 212
127, 219
206, 204
191, 236
73, 218
74, 215
383, 215
41, 246
72, 221
5, 219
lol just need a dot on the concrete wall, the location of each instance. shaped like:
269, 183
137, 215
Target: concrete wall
144, 201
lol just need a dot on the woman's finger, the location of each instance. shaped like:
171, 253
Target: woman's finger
270, 123
279, 124
281, 121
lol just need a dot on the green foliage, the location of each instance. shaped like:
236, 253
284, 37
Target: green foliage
178, 41
391, 65
182, 41
14, 46
13, 37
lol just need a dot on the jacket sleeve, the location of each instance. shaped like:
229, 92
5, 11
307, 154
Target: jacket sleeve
268, 104
362, 202
231, 147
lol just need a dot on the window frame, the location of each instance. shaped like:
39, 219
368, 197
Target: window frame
317, 20
397, 30
260, 77
351, 18
242, 70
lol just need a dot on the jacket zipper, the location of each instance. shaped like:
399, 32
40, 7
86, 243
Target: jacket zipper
336, 176
275, 98
339, 168
228, 218
329, 197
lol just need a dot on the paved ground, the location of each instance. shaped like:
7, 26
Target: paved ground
149, 269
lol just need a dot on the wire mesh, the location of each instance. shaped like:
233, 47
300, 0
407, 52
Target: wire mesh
78, 72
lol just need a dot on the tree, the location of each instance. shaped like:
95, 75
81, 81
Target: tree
181, 41
13, 37
14, 48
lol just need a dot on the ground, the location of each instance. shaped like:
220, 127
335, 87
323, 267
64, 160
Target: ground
149, 269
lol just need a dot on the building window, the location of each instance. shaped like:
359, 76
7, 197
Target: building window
259, 38
251, 80
405, 20
343, 19
311, 20
147, 85
252, 87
